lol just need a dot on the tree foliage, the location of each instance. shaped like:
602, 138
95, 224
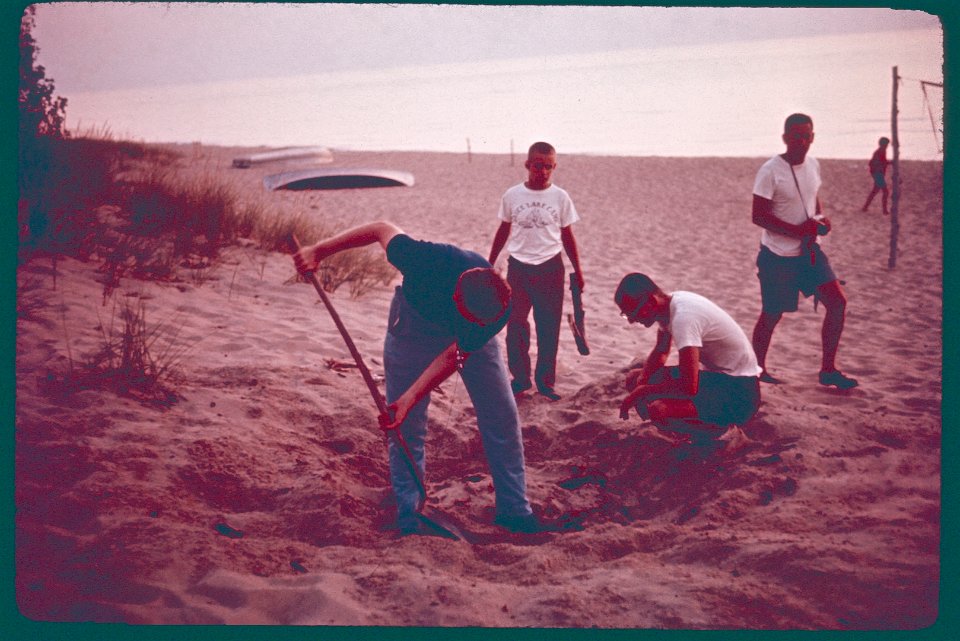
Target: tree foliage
41, 113
41, 120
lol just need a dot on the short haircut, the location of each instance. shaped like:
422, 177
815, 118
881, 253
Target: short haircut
796, 119
636, 286
484, 292
884, 141
541, 148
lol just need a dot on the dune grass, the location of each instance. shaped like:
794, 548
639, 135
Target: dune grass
126, 206
134, 359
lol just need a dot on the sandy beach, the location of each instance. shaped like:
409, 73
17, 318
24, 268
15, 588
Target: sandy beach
262, 497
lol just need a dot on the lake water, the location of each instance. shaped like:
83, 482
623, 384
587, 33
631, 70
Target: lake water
716, 100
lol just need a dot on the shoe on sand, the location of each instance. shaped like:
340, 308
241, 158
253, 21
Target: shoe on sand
837, 379
519, 388
549, 392
767, 377
525, 524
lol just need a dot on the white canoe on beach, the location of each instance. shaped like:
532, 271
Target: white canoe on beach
338, 178
317, 154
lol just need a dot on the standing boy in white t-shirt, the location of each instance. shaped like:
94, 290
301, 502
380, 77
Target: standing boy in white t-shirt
535, 224
716, 381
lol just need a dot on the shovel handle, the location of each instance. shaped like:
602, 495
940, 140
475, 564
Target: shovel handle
367, 377
364, 372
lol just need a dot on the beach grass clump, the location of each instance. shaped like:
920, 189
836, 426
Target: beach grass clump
197, 216
359, 269
127, 204
61, 182
134, 359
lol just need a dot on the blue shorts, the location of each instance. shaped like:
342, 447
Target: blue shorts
782, 278
879, 179
721, 399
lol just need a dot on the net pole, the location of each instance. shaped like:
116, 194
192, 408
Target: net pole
895, 177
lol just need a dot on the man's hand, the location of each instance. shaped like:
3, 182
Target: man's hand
395, 415
632, 401
306, 259
388, 420
580, 281
633, 378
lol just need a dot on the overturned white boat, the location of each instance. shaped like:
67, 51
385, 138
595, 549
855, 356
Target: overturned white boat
316, 154
338, 178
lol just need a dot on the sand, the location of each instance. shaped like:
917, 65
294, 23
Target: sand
261, 495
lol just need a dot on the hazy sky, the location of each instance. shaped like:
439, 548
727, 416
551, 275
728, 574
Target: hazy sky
87, 47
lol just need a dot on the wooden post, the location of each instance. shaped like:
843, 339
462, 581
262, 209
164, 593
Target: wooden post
895, 178
511, 152
469, 157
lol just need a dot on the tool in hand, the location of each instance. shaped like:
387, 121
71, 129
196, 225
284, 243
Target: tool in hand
435, 522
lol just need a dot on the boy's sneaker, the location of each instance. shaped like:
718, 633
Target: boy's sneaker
519, 388
837, 379
767, 377
549, 392
525, 524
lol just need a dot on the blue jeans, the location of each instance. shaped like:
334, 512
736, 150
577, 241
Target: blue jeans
411, 344
537, 287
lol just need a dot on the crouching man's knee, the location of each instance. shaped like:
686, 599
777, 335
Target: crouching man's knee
658, 411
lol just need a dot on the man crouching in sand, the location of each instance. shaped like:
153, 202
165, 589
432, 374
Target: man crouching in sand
443, 316
716, 382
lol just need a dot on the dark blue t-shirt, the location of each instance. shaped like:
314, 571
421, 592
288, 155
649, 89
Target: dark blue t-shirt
430, 274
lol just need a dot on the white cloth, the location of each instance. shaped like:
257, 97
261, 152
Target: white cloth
696, 321
774, 182
536, 218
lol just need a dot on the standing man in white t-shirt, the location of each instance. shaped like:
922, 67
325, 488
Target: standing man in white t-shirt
535, 224
786, 206
716, 380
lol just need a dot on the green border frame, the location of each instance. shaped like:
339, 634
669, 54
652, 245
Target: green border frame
17, 627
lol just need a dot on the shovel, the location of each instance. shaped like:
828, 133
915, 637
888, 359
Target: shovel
576, 318
435, 522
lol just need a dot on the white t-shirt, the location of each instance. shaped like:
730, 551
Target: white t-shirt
775, 182
536, 218
696, 321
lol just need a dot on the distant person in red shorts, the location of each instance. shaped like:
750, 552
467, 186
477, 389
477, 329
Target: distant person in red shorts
878, 169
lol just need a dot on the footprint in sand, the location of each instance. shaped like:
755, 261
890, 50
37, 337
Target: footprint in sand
563, 417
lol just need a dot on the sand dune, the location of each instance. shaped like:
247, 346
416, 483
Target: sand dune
261, 496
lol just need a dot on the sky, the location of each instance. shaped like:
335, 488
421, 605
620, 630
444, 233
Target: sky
90, 46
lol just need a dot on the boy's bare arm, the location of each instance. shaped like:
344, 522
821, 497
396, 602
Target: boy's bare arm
499, 241
762, 216
570, 245
439, 370
655, 360
308, 258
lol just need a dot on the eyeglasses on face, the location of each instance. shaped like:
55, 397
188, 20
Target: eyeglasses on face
635, 313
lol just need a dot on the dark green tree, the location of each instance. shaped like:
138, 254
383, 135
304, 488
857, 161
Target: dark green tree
41, 113
41, 120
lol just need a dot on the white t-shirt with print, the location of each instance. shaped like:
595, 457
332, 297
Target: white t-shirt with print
536, 218
696, 321
774, 182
